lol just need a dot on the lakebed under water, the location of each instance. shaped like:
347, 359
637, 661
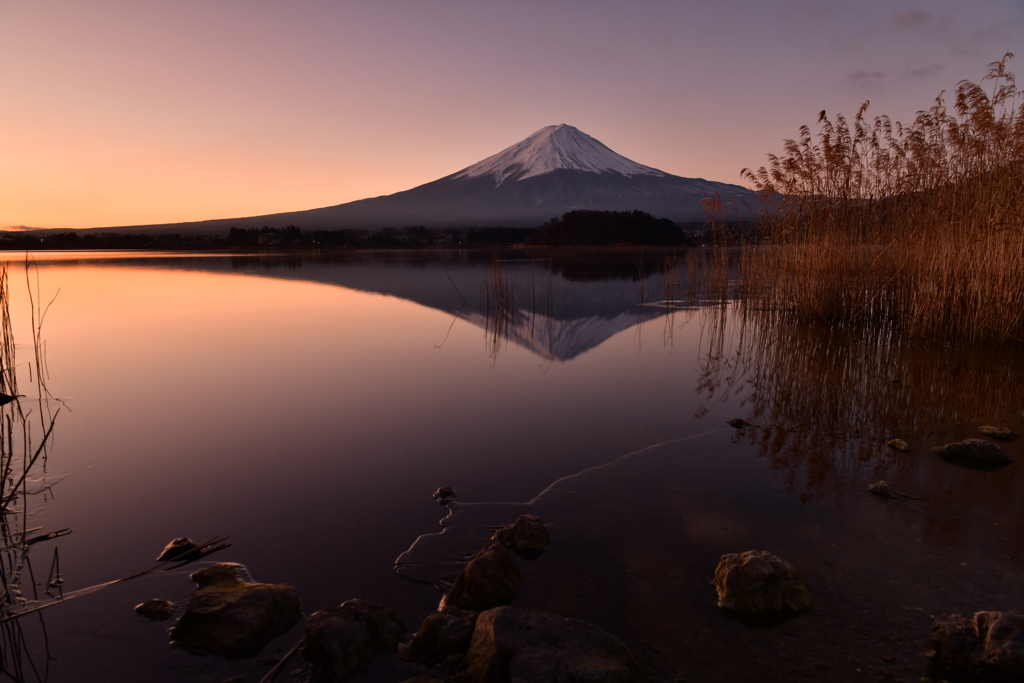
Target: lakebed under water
308, 406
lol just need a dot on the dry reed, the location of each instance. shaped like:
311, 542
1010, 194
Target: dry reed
905, 229
21, 461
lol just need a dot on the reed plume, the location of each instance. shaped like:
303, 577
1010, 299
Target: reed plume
911, 229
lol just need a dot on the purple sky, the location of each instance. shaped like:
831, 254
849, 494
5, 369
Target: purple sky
116, 112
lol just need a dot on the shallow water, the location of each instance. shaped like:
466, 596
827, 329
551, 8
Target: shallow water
308, 407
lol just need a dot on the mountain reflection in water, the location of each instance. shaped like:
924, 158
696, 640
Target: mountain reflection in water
312, 422
826, 400
559, 308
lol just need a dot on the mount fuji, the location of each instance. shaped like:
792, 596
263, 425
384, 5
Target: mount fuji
555, 170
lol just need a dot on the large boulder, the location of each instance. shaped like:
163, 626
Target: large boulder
527, 537
443, 634
230, 616
342, 640
513, 645
759, 583
488, 580
976, 452
989, 645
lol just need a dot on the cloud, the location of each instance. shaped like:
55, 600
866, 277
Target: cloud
867, 79
925, 71
905, 21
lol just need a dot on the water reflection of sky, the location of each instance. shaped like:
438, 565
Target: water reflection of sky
309, 407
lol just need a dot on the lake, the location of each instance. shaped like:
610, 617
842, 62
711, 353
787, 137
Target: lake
307, 406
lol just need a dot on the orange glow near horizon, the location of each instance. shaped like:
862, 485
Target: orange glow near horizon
119, 112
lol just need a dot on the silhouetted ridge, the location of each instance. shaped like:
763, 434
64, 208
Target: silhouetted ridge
556, 170
607, 227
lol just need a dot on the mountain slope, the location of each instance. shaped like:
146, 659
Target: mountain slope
555, 170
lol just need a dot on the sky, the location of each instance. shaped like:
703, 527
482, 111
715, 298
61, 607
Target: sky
130, 112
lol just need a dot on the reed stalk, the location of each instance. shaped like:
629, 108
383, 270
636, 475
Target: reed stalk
21, 460
905, 229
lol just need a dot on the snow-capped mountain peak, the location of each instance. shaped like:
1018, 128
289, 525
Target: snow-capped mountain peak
553, 148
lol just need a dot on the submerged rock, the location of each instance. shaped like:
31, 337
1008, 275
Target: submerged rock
989, 645
342, 640
179, 549
898, 445
232, 617
737, 423
974, 452
884, 489
522, 646
757, 582
527, 537
490, 579
155, 610
444, 495
443, 634
1001, 433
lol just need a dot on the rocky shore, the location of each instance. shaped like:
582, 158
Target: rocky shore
503, 617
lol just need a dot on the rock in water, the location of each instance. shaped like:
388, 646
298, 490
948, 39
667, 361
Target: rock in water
1001, 433
489, 580
523, 646
155, 610
757, 582
178, 549
989, 645
232, 617
898, 445
342, 640
884, 489
444, 495
443, 634
976, 452
527, 537
222, 573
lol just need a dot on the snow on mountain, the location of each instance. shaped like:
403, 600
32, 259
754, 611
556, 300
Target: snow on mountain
553, 148
556, 339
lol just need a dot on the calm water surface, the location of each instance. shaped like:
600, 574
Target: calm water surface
308, 407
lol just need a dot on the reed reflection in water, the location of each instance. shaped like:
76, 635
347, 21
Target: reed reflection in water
519, 307
500, 312
827, 400
24, 477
